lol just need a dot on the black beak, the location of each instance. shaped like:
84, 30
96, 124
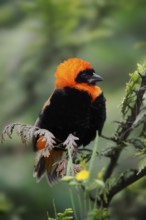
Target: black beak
95, 78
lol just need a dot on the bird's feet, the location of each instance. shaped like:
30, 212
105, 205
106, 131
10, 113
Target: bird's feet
70, 142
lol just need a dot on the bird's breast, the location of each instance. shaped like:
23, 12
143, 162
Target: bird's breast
78, 105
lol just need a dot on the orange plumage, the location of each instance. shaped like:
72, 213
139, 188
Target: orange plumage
67, 72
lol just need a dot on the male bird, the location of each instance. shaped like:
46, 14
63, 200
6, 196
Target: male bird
73, 114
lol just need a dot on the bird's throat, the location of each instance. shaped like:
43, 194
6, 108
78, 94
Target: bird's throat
94, 91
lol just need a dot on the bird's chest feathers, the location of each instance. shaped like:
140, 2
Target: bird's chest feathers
77, 99
77, 105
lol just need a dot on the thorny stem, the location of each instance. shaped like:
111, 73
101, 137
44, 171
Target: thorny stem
126, 128
93, 154
124, 181
122, 134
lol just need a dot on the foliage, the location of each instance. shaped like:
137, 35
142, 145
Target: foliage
8, 210
99, 214
63, 216
34, 37
105, 187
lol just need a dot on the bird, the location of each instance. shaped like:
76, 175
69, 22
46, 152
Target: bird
72, 115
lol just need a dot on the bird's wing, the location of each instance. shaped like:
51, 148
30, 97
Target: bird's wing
52, 114
49, 116
97, 119
47, 103
38, 120
98, 113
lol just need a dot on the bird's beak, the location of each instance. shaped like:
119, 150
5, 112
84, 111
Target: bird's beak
95, 78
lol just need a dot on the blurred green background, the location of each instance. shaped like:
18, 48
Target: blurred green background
35, 36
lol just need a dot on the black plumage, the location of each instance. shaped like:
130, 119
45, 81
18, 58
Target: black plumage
73, 111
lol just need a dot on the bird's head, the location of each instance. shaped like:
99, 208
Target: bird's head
77, 73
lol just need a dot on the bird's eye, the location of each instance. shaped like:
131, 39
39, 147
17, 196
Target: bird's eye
84, 76
88, 76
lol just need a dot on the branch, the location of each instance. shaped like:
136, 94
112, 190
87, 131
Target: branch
124, 181
125, 128
133, 116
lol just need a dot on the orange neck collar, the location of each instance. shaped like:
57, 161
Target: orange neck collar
93, 91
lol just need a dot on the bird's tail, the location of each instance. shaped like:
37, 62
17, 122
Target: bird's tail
48, 166
51, 166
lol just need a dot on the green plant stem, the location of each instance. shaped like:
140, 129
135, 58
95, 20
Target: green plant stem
70, 170
95, 201
89, 202
54, 206
95, 146
85, 202
73, 204
80, 202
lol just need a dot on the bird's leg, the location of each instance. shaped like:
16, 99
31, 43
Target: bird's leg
70, 142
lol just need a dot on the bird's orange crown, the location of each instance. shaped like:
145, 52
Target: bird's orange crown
67, 72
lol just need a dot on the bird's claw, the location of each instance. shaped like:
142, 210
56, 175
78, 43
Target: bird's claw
71, 142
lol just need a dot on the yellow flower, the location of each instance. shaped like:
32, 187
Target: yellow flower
82, 175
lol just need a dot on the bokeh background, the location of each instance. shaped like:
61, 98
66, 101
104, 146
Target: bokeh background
35, 36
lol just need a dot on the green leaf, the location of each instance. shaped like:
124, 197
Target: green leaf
101, 174
63, 216
94, 184
99, 214
130, 96
132, 86
67, 178
142, 164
